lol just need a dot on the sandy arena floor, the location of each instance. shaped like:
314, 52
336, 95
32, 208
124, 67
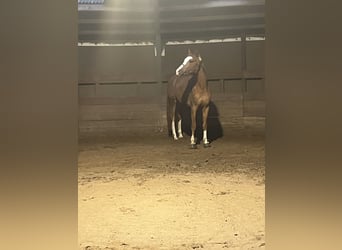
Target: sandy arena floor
146, 191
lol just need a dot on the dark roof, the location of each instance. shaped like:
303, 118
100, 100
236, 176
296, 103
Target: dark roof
174, 20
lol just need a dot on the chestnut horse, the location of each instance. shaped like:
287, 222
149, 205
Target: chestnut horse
189, 85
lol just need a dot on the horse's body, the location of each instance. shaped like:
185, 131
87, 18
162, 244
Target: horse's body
188, 86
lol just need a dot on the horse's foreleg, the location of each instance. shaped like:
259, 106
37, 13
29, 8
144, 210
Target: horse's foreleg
205, 112
174, 129
193, 126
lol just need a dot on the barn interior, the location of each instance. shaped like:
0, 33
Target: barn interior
128, 50
138, 188
146, 191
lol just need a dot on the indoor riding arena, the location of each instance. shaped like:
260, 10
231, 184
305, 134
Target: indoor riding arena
138, 187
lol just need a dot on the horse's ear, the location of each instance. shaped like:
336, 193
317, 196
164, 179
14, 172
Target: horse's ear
189, 52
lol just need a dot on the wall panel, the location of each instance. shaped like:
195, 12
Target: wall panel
111, 63
127, 96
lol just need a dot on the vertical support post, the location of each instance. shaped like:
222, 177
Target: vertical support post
158, 47
158, 72
243, 70
244, 60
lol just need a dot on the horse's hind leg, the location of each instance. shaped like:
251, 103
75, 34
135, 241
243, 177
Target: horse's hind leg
179, 118
205, 112
193, 126
173, 117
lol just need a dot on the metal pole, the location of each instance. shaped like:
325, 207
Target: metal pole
158, 45
158, 72
243, 70
244, 60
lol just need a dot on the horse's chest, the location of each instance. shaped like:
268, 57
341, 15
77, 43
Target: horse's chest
199, 97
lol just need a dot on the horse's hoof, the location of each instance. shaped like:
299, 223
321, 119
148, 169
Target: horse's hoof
207, 145
193, 146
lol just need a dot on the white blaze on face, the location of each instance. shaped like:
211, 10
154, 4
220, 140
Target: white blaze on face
186, 60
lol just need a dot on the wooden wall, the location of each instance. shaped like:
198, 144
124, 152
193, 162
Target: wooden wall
118, 88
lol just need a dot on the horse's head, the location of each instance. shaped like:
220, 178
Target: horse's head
191, 64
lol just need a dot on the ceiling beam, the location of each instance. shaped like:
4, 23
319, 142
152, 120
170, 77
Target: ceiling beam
170, 20
192, 36
216, 29
170, 31
212, 18
176, 20
213, 4
181, 7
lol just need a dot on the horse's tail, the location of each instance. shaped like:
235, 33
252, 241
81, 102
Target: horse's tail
168, 115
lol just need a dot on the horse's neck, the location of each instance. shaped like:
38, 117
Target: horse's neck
202, 79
